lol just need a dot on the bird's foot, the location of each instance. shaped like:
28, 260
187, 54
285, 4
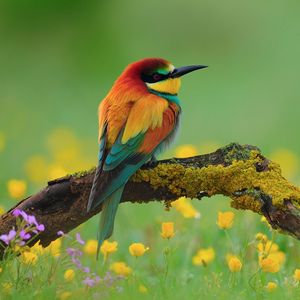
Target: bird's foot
152, 163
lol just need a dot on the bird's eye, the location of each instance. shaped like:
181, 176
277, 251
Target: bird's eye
153, 77
156, 77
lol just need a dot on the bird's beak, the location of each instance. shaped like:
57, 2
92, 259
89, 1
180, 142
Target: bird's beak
184, 70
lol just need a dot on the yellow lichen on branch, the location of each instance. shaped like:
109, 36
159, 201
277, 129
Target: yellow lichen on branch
229, 180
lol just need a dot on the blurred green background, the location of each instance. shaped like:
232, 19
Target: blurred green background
59, 58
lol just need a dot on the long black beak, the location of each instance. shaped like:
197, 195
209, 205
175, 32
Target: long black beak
184, 70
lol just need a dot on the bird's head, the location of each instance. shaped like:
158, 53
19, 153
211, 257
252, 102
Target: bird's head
158, 74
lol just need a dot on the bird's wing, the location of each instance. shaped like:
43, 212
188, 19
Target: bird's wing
149, 122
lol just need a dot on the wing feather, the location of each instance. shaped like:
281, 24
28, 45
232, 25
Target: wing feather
143, 132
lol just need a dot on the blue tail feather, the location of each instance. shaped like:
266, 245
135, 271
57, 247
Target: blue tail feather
107, 217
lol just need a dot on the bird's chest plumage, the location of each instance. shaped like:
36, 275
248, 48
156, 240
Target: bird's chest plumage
176, 123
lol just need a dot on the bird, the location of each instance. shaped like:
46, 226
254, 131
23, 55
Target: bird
137, 120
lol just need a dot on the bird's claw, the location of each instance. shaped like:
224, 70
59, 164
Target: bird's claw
152, 163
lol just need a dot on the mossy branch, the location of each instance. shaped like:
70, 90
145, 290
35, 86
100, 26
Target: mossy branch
240, 172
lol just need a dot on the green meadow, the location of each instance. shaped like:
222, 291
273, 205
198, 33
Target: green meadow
58, 59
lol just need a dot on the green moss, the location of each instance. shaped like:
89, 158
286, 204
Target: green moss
82, 173
241, 174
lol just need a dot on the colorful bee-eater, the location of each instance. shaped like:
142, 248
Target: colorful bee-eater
137, 119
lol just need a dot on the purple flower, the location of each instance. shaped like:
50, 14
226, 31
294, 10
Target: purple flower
6, 238
60, 233
16, 212
77, 262
89, 282
24, 235
86, 269
74, 252
79, 239
30, 220
40, 227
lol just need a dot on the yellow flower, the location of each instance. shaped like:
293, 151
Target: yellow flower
16, 188
261, 237
234, 263
1, 270
36, 169
278, 256
269, 265
65, 295
54, 247
204, 256
68, 150
225, 219
2, 210
186, 151
167, 230
108, 248
263, 219
287, 160
90, 247
69, 275
28, 257
297, 275
267, 247
7, 287
56, 171
271, 286
137, 249
2, 141
184, 206
38, 249
143, 289
120, 268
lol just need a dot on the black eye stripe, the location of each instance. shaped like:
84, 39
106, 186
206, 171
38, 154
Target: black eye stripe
154, 77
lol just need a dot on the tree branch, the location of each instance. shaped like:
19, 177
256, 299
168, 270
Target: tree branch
239, 172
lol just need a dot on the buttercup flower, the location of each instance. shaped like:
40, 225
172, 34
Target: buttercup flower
16, 188
204, 256
69, 275
287, 160
185, 151
65, 295
297, 275
271, 286
28, 257
267, 247
2, 210
108, 248
143, 289
225, 219
120, 268
184, 206
261, 237
137, 249
7, 287
234, 263
90, 247
269, 265
55, 247
167, 230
